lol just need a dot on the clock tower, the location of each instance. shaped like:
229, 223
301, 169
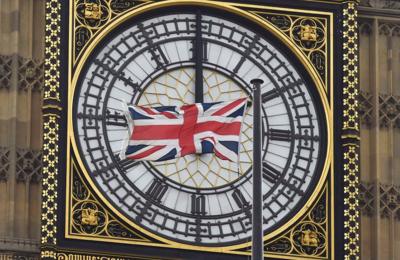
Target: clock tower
102, 55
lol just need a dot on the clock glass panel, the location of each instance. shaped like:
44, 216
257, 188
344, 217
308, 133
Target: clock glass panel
199, 199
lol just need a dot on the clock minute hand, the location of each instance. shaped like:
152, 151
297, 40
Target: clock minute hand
198, 56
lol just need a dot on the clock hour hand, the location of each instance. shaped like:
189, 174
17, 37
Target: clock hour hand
198, 58
121, 76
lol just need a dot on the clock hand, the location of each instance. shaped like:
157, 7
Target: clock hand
121, 76
198, 56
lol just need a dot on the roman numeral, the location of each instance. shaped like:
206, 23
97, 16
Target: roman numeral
246, 54
155, 50
269, 95
279, 135
269, 173
198, 205
157, 190
120, 75
274, 93
239, 199
127, 164
115, 119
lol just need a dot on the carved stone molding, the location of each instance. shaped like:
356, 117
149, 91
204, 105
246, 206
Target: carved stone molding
4, 163
381, 4
389, 29
30, 73
389, 110
365, 108
389, 199
5, 71
367, 198
18, 248
29, 166
365, 27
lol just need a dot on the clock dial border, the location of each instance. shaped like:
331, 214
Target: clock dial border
266, 26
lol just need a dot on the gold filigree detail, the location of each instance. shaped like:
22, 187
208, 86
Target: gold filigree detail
351, 202
351, 127
91, 16
308, 33
308, 238
49, 184
47, 254
90, 218
92, 11
350, 68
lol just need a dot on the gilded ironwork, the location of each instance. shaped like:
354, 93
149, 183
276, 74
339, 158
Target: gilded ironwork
309, 33
308, 238
351, 201
92, 11
87, 255
51, 124
89, 217
91, 16
351, 128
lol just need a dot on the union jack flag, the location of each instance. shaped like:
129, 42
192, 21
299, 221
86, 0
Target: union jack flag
167, 132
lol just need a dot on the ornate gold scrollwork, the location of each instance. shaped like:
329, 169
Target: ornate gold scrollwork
92, 11
89, 217
309, 238
308, 33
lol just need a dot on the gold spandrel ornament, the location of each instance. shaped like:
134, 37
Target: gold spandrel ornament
308, 33
92, 11
89, 218
91, 16
351, 132
308, 239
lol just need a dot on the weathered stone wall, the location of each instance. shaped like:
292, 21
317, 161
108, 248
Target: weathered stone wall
380, 134
21, 81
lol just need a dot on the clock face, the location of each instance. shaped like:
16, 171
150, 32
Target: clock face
199, 199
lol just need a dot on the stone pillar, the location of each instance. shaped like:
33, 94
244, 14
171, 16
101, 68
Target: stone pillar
21, 82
